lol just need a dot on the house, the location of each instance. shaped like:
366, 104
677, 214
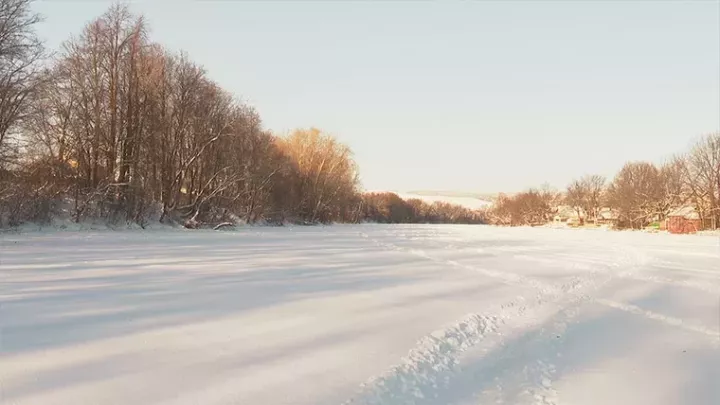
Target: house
607, 216
684, 220
566, 215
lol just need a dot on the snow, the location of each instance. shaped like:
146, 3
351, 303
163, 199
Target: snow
471, 203
364, 314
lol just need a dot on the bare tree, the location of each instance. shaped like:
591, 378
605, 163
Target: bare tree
673, 192
702, 178
576, 196
328, 174
585, 196
531, 207
595, 185
636, 192
20, 52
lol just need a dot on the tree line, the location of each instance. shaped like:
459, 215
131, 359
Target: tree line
118, 127
389, 208
640, 194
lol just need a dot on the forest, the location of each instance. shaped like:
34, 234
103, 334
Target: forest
116, 127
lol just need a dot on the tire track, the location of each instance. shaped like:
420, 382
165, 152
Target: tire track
428, 366
429, 370
594, 280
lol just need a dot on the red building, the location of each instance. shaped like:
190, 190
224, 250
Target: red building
684, 220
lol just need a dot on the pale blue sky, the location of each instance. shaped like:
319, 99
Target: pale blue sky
476, 96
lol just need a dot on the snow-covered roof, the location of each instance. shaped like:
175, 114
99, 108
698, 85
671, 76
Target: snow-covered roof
608, 213
687, 212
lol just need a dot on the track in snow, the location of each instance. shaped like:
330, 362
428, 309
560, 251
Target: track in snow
360, 315
446, 384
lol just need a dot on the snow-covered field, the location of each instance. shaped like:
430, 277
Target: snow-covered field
360, 315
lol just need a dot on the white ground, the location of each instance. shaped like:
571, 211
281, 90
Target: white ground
360, 315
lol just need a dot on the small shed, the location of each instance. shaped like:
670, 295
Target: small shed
684, 220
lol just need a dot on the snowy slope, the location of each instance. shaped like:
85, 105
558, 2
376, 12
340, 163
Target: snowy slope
467, 202
360, 315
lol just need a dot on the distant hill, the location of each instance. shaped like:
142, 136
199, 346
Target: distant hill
450, 193
472, 201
